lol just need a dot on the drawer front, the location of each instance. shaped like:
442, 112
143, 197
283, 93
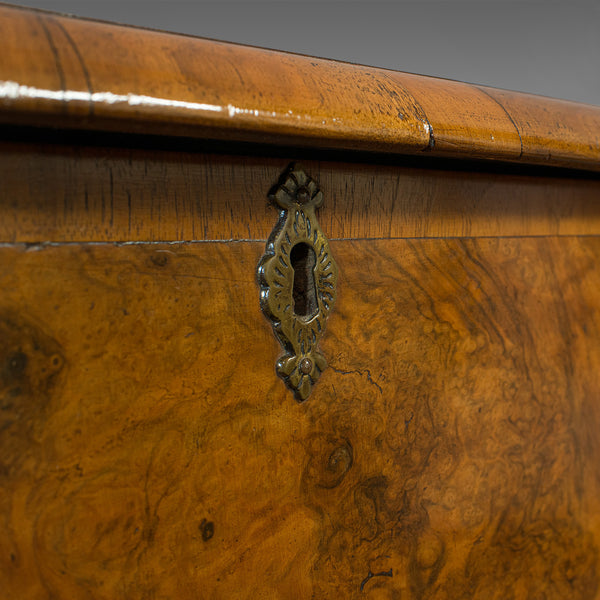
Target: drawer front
148, 448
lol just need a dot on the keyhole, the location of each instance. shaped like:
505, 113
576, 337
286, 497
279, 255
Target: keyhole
304, 292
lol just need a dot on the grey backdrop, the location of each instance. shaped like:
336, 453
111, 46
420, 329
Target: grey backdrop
541, 46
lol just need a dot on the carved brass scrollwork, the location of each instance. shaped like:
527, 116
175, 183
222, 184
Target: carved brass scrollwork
298, 278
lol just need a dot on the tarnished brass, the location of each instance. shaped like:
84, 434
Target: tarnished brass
298, 278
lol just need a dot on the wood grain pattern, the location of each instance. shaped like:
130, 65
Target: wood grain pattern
62, 193
551, 115
60, 71
450, 451
465, 120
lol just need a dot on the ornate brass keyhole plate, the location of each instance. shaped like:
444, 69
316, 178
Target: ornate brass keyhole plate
298, 279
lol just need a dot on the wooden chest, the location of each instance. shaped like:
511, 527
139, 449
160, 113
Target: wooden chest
148, 447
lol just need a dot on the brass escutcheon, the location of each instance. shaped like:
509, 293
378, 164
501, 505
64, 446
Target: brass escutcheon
298, 277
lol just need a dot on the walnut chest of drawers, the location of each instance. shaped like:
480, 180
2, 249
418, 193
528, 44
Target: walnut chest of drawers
445, 445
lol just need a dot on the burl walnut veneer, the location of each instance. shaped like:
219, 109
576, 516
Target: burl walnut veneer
148, 449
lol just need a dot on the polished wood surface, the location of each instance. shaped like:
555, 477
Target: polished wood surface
149, 451
147, 447
60, 71
72, 193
